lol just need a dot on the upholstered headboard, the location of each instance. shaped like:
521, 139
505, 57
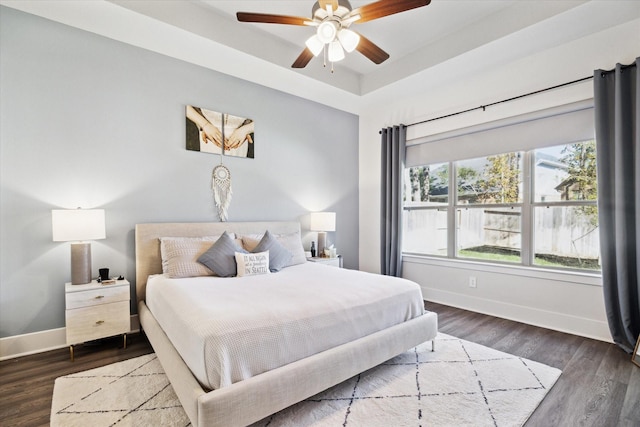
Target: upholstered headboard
148, 260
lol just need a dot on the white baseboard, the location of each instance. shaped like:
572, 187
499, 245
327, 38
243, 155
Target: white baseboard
52, 339
574, 325
38, 342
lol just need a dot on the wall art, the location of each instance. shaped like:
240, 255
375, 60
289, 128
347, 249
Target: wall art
209, 131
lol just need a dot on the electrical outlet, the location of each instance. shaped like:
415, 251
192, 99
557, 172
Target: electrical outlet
472, 282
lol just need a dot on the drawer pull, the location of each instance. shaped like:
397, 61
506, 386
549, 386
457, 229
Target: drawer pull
99, 297
99, 322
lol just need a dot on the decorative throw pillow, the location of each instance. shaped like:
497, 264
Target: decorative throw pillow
279, 256
220, 257
252, 264
291, 241
180, 256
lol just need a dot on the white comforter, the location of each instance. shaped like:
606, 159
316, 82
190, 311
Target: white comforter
230, 329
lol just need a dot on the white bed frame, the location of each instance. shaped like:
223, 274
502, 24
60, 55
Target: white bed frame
251, 400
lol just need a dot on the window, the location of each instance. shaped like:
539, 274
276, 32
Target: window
565, 211
534, 208
427, 190
517, 191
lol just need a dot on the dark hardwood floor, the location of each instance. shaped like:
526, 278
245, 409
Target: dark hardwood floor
26, 383
599, 386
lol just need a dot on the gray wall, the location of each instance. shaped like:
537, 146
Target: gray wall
88, 121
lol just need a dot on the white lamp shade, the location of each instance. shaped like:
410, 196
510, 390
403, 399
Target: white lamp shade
348, 39
314, 44
77, 224
336, 53
327, 31
323, 221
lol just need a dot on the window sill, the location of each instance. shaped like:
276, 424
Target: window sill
584, 278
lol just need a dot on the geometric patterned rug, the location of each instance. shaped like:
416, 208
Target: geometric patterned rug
460, 384
135, 392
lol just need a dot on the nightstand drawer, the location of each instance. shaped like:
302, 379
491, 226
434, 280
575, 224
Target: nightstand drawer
91, 323
97, 296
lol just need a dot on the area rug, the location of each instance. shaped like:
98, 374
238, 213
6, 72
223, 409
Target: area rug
460, 384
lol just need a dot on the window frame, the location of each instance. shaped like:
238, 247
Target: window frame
527, 209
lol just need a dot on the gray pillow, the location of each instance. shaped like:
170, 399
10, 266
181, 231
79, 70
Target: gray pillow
292, 242
279, 256
220, 257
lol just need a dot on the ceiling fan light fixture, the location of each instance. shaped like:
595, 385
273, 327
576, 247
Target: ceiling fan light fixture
319, 13
344, 7
348, 39
333, 19
336, 53
350, 20
327, 31
314, 44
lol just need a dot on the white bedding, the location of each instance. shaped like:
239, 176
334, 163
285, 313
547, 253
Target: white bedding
230, 329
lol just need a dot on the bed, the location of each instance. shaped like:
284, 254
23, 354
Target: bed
239, 396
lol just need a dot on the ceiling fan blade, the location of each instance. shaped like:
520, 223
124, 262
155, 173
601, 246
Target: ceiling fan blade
303, 59
383, 8
371, 50
323, 4
267, 18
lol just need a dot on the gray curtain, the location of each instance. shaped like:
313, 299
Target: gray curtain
617, 122
393, 141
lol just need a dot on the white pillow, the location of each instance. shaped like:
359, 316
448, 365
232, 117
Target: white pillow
291, 241
252, 264
180, 255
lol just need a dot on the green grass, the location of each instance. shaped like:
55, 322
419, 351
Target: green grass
465, 253
502, 255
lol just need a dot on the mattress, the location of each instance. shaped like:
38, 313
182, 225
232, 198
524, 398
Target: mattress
230, 329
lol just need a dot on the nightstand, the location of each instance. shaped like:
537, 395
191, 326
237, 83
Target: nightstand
333, 262
95, 311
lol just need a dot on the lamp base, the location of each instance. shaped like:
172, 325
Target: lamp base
322, 242
80, 263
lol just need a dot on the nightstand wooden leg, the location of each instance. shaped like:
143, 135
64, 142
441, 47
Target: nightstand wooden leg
125, 340
71, 352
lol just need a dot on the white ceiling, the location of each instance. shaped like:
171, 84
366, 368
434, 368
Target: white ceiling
401, 34
448, 39
416, 39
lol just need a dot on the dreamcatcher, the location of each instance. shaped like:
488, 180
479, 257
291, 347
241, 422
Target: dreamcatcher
221, 184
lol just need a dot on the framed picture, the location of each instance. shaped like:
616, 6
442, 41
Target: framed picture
211, 131
635, 357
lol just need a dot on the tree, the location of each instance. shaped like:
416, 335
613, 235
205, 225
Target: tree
419, 184
502, 179
469, 183
580, 159
428, 183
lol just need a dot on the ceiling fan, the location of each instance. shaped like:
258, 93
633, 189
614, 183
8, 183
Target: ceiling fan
332, 19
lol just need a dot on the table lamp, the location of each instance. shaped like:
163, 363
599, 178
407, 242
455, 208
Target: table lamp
77, 226
322, 222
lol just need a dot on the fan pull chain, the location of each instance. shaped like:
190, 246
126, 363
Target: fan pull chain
324, 56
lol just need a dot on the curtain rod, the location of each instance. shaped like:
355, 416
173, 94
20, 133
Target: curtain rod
483, 107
